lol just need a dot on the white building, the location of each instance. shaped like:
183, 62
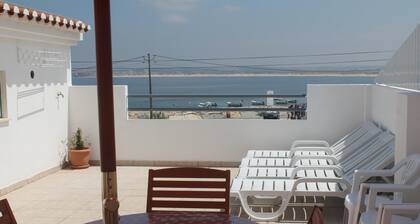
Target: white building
35, 72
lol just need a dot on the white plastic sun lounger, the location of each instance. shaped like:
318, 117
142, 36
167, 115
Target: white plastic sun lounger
314, 160
274, 189
323, 185
316, 147
408, 167
376, 155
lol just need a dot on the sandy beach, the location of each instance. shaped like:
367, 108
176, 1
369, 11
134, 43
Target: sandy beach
201, 115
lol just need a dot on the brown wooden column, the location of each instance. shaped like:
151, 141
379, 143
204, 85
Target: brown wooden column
106, 110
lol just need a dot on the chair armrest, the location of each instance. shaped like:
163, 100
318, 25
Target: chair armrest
337, 169
384, 188
299, 143
310, 149
363, 174
388, 210
295, 159
364, 188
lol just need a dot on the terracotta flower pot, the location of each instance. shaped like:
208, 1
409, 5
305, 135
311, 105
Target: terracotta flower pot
79, 159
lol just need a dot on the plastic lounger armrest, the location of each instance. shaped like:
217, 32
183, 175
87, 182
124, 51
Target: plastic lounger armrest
310, 149
299, 143
295, 159
337, 169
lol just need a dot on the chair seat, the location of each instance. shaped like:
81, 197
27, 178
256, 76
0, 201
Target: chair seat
370, 218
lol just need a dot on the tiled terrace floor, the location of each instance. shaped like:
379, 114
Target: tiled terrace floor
74, 196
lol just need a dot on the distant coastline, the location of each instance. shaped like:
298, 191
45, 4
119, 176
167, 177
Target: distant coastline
325, 74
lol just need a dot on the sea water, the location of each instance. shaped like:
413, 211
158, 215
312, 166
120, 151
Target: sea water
219, 85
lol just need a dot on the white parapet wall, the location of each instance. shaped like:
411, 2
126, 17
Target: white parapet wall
333, 110
397, 110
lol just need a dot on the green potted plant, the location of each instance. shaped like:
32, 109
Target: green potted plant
79, 152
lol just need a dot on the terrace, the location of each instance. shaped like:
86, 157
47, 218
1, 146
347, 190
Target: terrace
39, 191
58, 196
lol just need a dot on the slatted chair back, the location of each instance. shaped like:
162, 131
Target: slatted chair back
6, 214
188, 189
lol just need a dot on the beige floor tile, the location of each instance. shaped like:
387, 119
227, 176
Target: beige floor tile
36, 220
137, 204
74, 196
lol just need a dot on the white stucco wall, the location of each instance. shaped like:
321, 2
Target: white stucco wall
33, 137
397, 110
333, 110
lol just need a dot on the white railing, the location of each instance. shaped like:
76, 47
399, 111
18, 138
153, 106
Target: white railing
403, 70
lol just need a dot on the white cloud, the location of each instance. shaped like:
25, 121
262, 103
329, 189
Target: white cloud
173, 11
175, 5
177, 19
232, 8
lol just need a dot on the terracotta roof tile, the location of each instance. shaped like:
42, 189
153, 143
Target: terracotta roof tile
38, 16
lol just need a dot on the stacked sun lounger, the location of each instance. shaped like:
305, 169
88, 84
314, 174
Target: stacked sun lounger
322, 171
306, 155
320, 147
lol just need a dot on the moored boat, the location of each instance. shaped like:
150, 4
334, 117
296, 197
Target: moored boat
234, 104
207, 104
257, 103
280, 101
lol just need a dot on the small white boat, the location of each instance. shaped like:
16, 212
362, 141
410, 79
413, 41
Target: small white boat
207, 104
257, 103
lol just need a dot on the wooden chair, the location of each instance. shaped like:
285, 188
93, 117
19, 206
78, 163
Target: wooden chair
6, 214
188, 189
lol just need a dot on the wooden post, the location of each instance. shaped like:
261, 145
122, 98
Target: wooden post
106, 111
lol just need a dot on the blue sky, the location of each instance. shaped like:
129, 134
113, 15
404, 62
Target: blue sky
230, 28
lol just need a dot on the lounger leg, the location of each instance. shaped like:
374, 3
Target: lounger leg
263, 216
346, 216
